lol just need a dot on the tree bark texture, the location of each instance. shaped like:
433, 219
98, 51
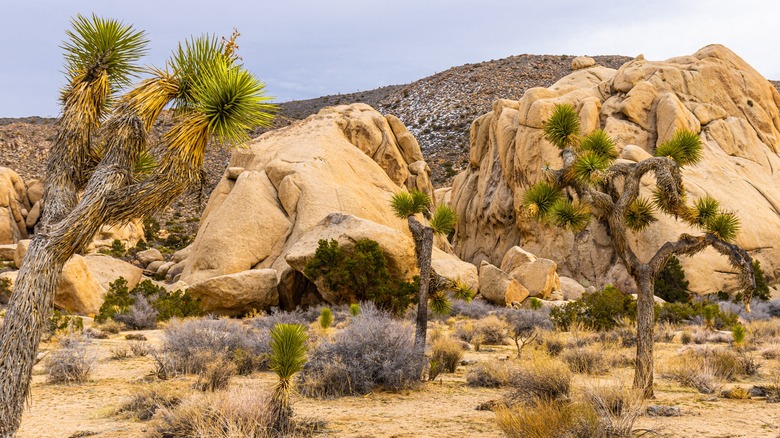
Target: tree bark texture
645, 321
423, 247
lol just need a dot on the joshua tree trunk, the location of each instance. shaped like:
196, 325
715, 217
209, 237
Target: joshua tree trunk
645, 320
423, 248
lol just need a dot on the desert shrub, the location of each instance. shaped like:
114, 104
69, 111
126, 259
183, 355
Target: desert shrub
354, 309
524, 325
139, 348
598, 311
554, 346
464, 330
119, 302
62, 322
489, 330
72, 362
671, 284
550, 419
136, 337
117, 249
738, 332
109, 326
662, 333
618, 408
5, 290
544, 380
189, 346
490, 374
721, 315
736, 393
686, 338
326, 317
92, 333
363, 271
119, 352
585, 360
446, 354
216, 374
139, 316
677, 313
277, 316
704, 370
240, 412
764, 330
475, 309
759, 310
144, 402
374, 351
710, 337
694, 374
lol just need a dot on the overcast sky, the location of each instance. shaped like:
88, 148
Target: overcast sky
308, 48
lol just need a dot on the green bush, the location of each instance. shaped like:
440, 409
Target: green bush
119, 300
117, 249
362, 272
326, 317
59, 321
597, 311
678, 313
671, 284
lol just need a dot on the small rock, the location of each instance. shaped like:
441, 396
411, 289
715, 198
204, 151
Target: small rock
581, 62
234, 172
148, 256
663, 411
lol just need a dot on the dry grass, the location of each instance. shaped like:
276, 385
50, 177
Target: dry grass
217, 374
491, 374
550, 419
585, 360
240, 412
446, 354
617, 406
145, 401
489, 330
543, 379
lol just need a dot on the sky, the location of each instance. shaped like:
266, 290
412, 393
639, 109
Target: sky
308, 48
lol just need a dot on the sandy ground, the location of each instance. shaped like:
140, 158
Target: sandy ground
444, 408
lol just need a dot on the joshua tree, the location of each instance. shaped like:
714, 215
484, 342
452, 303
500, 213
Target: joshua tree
98, 170
288, 356
406, 205
591, 184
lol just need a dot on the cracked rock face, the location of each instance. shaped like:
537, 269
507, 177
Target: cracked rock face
712, 92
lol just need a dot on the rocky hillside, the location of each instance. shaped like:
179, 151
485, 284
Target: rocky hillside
438, 110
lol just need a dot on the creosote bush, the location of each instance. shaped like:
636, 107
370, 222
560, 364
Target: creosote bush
601, 310
490, 330
145, 401
363, 271
374, 351
550, 419
541, 380
671, 284
585, 360
490, 374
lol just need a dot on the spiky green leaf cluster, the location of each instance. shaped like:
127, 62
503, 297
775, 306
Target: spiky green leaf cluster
444, 219
288, 349
463, 291
96, 44
599, 143
589, 166
666, 202
684, 148
440, 304
233, 102
190, 61
145, 164
572, 216
540, 197
704, 210
563, 127
405, 204
640, 214
724, 225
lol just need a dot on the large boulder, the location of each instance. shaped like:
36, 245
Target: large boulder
345, 159
14, 206
78, 290
498, 287
451, 267
538, 275
238, 294
107, 269
713, 92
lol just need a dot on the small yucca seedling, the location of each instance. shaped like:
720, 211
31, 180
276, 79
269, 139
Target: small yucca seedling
709, 315
288, 356
535, 303
326, 317
354, 309
739, 333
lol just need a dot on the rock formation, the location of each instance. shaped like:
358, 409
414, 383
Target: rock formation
330, 176
712, 92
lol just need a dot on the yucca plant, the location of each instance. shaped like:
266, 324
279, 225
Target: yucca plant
463, 291
354, 309
739, 334
288, 356
100, 170
590, 186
